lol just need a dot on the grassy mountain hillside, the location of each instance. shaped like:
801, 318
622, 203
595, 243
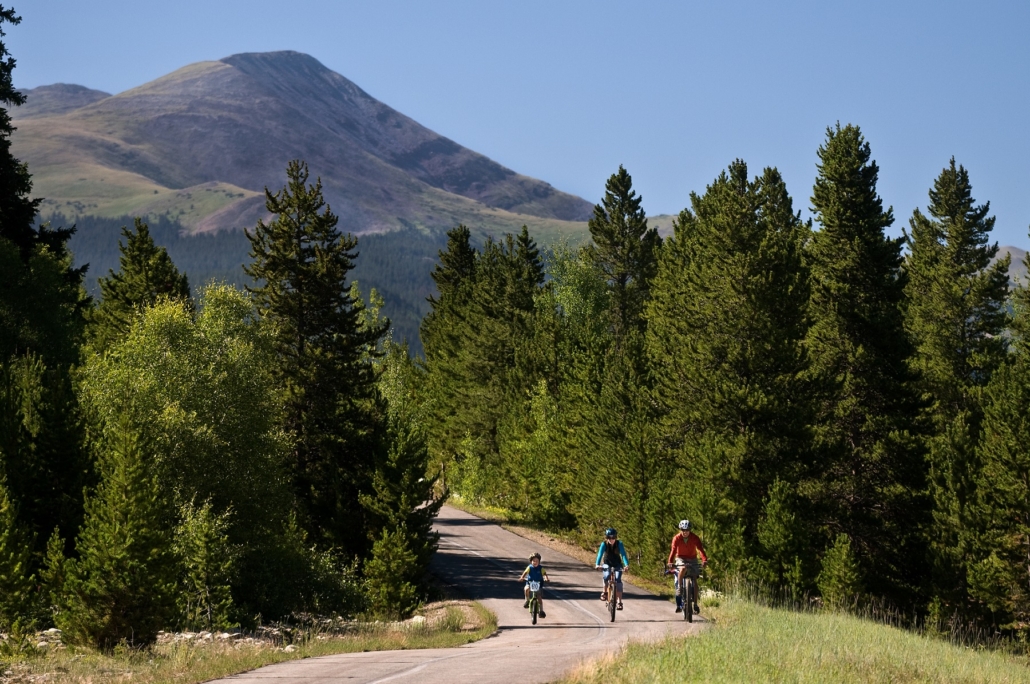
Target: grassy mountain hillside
200, 145
57, 99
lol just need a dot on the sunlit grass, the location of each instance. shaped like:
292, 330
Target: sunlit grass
188, 662
753, 643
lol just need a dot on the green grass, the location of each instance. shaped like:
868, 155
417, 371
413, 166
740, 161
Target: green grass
753, 643
189, 662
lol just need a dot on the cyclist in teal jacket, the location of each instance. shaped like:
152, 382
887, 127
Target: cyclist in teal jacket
612, 554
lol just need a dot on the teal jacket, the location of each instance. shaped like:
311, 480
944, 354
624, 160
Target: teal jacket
622, 554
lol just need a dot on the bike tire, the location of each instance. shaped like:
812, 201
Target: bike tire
612, 601
534, 608
688, 601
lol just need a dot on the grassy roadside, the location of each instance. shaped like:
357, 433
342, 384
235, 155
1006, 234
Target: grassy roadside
571, 544
200, 659
753, 643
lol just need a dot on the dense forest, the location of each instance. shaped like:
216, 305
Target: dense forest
200, 458
842, 414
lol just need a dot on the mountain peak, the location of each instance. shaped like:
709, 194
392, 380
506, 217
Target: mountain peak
211, 136
54, 99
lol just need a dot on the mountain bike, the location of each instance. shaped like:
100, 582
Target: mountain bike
534, 599
688, 575
611, 591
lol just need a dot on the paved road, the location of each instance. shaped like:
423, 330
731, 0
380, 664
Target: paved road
484, 561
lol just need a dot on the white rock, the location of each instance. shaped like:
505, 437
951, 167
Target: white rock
290, 649
418, 619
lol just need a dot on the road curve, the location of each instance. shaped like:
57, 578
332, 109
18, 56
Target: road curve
483, 561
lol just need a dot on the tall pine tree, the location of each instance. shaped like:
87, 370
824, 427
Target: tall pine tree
873, 471
956, 316
1000, 517
302, 261
624, 250
726, 325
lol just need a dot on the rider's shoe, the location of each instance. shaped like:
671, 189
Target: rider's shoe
526, 604
543, 614
619, 607
697, 609
604, 596
679, 604
679, 609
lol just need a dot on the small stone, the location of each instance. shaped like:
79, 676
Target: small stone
53, 630
418, 620
42, 644
290, 649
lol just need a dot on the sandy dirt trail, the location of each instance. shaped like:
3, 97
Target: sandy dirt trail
483, 561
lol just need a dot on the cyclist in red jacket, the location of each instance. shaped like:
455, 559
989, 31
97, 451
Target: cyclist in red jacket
686, 549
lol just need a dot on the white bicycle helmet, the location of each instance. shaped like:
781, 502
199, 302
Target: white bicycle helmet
684, 525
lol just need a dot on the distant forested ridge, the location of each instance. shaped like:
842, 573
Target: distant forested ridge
396, 264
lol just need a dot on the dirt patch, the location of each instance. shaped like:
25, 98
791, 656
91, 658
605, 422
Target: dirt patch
453, 614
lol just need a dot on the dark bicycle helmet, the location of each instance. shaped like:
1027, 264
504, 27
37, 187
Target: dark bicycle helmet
610, 532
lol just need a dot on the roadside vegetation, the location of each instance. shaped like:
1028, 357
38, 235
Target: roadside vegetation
754, 643
192, 657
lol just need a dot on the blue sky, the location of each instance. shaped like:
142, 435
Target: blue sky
567, 91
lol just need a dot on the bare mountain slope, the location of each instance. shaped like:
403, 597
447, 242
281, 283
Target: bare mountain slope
200, 144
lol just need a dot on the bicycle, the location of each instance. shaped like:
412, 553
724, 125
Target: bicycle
534, 599
687, 585
611, 591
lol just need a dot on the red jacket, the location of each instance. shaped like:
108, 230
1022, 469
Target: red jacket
691, 548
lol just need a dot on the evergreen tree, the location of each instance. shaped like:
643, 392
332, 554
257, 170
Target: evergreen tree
41, 447
444, 338
478, 371
872, 471
121, 587
207, 560
1000, 517
52, 578
619, 465
15, 581
839, 581
624, 250
303, 261
391, 590
726, 325
146, 275
956, 316
17, 211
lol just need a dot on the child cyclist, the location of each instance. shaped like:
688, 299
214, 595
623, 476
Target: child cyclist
534, 572
612, 554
